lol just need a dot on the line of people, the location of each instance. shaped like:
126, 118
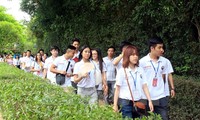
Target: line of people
103, 79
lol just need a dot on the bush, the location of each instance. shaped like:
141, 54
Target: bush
186, 104
24, 96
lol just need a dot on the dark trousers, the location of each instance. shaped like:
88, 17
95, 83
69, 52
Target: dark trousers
111, 91
74, 85
161, 107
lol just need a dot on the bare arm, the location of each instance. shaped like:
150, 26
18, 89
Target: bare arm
146, 91
54, 70
44, 73
117, 59
171, 81
116, 96
105, 87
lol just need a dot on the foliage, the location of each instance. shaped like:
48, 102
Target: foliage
186, 104
13, 35
104, 23
25, 96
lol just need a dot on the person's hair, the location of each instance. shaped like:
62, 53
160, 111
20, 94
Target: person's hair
123, 44
36, 59
54, 48
81, 51
28, 51
99, 54
41, 50
154, 41
70, 47
112, 48
75, 40
130, 50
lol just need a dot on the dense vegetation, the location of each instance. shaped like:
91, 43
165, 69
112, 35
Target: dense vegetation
24, 96
107, 22
14, 36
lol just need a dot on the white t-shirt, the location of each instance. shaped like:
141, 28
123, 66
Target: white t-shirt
1, 59
136, 80
28, 62
111, 71
170, 70
47, 65
150, 69
85, 82
61, 64
96, 65
16, 62
37, 66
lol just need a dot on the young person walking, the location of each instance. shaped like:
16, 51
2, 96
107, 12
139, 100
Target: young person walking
110, 73
130, 75
37, 65
64, 65
100, 76
48, 62
156, 67
84, 75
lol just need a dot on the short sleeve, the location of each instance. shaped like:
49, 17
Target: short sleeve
76, 67
46, 64
119, 77
55, 62
104, 67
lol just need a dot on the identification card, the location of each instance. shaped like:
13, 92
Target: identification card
155, 80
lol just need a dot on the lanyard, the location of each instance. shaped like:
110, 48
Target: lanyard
134, 79
156, 71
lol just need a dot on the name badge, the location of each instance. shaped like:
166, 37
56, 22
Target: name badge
155, 80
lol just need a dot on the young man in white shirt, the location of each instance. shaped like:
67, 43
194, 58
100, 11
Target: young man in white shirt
76, 44
48, 62
64, 65
27, 61
21, 59
110, 73
155, 67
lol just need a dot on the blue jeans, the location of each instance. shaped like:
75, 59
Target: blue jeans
127, 109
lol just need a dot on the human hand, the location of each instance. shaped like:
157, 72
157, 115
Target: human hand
173, 93
151, 106
115, 108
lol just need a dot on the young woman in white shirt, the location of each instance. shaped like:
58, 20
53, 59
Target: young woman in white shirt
37, 66
100, 75
137, 81
84, 75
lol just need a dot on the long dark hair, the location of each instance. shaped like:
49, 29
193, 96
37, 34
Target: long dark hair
100, 59
36, 59
81, 51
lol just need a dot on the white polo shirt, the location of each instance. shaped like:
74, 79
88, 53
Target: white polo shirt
85, 82
28, 62
61, 64
37, 67
150, 69
47, 65
110, 73
96, 65
169, 70
136, 80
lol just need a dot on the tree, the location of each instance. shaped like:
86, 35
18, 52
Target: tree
104, 23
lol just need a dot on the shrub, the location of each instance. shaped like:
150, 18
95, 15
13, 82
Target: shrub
24, 96
186, 104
